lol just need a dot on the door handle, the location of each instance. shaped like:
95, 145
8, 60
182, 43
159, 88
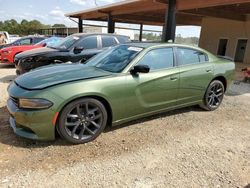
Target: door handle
208, 70
173, 78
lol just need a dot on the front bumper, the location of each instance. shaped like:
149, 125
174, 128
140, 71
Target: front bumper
37, 124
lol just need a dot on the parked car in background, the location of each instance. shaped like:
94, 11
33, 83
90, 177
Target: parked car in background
6, 38
30, 40
123, 83
8, 54
75, 48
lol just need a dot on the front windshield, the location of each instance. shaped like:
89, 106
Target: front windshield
66, 43
115, 59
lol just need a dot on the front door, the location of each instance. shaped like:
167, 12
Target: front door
156, 90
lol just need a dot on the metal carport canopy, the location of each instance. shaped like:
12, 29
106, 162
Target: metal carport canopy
152, 12
168, 13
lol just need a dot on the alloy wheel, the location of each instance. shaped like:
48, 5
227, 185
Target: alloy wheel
214, 95
82, 121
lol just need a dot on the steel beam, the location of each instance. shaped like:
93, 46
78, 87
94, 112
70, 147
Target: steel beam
80, 25
111, 24
141, 31
169, 27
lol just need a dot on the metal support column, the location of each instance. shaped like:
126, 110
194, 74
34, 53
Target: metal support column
111, 24
169, 27
80, 25
141, 31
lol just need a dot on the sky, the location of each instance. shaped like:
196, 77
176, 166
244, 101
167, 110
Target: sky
52, 11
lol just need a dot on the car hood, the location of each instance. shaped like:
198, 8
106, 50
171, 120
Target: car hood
4, 46
58, 74
37, 51
18, 47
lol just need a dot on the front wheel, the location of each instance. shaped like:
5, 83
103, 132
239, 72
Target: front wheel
82, 120
214, 95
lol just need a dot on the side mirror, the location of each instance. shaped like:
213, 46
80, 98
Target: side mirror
140, 69
78, 49
44, 44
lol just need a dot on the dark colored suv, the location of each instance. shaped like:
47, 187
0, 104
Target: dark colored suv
74, 48
30, 40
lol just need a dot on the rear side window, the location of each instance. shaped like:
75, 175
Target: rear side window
25, 41
122, 39
189, 56
88, 42
157, 59
108, 41
36, 40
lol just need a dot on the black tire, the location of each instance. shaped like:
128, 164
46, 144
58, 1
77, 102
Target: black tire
82, 121
213, 96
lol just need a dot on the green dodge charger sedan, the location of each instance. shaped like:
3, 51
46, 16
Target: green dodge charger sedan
123, 83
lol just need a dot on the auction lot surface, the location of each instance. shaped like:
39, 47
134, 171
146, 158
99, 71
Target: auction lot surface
183, 148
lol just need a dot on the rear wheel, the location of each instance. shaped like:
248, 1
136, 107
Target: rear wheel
82, 121
214, 95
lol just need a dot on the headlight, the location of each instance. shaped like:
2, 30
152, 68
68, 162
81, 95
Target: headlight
6, 52
34, 103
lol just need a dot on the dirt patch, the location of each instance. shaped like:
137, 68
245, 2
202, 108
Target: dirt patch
186, 147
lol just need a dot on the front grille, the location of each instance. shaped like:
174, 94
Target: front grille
14, 100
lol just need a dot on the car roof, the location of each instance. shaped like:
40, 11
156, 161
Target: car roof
144, 44
162, 44
28, 37
90, 34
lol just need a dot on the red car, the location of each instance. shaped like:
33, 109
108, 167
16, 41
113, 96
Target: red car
8, 51
7, 55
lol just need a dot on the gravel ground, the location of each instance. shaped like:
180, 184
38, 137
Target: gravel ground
182, 148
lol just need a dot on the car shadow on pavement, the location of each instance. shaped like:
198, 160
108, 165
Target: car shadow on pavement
7, 66
157, 116
247, 186
7, 79
8, 137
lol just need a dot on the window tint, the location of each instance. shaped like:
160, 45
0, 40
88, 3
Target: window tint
189, 56
108, 41
122, 39
202, 57
88, 43
36, 40
114, 59
158, 59
25, 41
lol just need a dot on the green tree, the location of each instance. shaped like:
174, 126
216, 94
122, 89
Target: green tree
23, 28
59, 25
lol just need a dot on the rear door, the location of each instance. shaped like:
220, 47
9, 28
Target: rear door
196, 72
156, 90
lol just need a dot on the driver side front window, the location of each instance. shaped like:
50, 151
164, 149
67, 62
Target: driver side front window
157, 59
88, 43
